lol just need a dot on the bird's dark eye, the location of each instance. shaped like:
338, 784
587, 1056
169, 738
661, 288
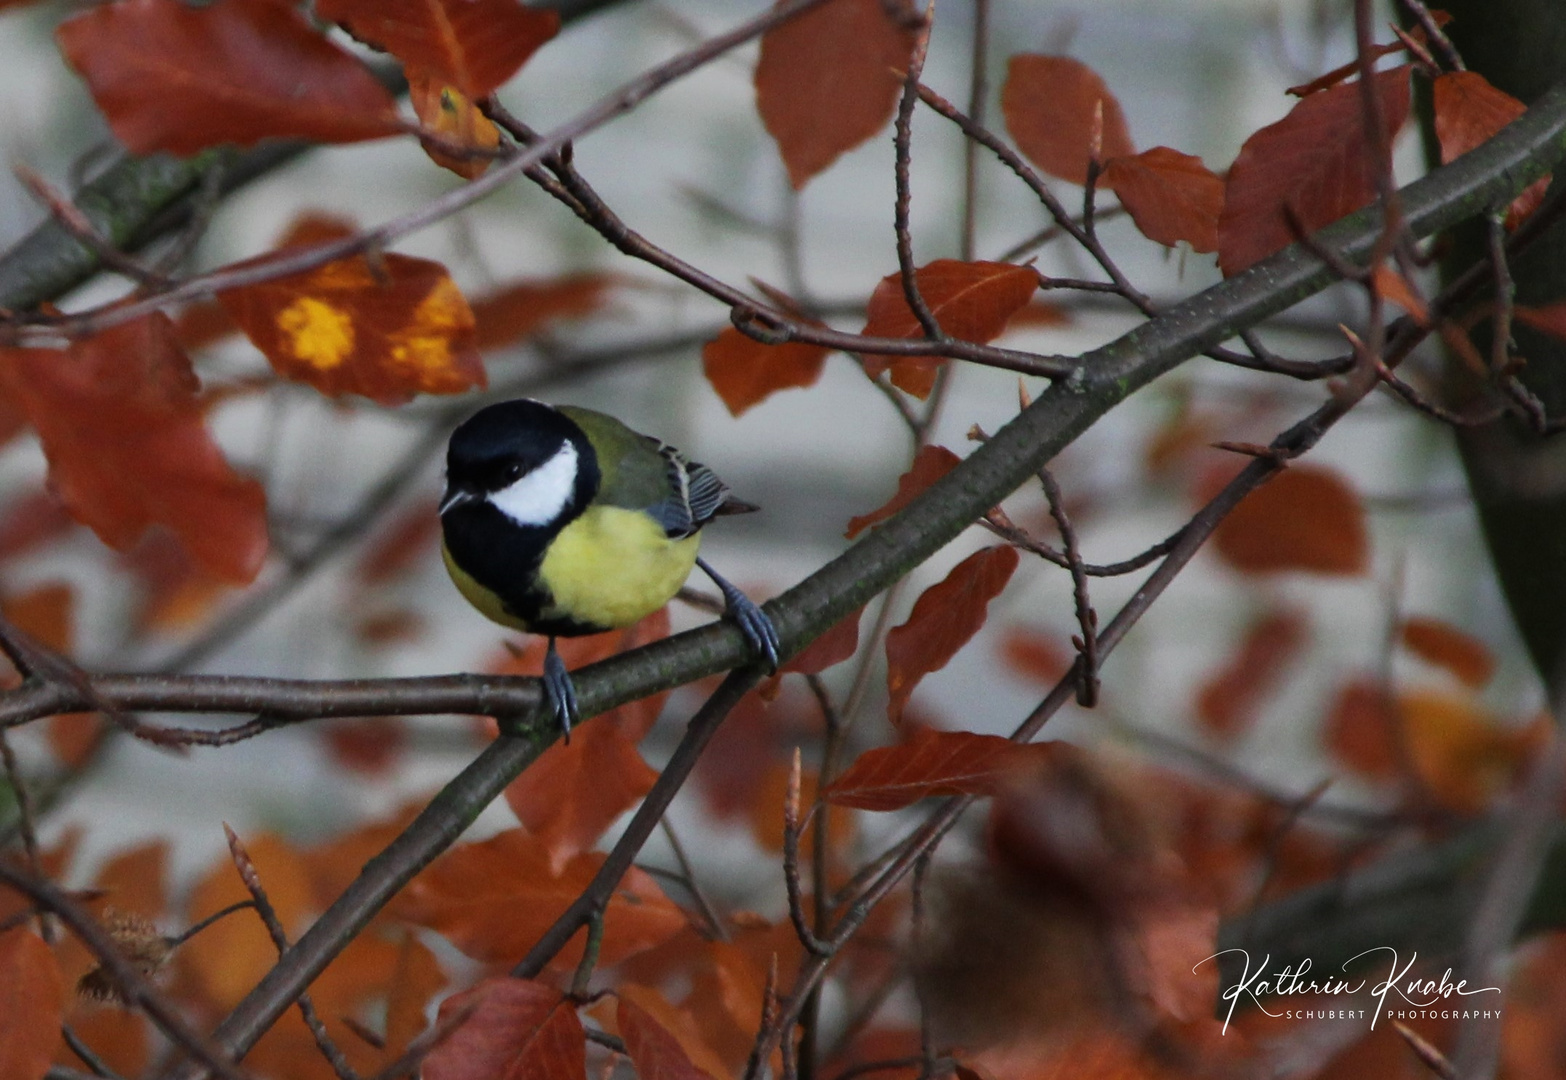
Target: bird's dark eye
513, 472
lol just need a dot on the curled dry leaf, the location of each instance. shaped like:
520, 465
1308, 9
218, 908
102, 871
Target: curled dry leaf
1314, 163
474, 46
827, 81
449, 113
1171, 196
128, 448
972, 301
169, 76
386, 331
943, 620
1052, 105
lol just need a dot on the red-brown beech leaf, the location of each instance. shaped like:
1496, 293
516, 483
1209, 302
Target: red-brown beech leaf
576, 790
128, 449
32, 1004
1306, 518
745, 372
656, 1054
971, 301
517, 311
943, 619
1315, 161
1438, 642
931, 763
1547, 319
388, 331
495, 898
827, 81
1171, 196
473, 45
833, 647
516, 1028
1229, 702
929, 465
173, 77
1050, 104
1468, 112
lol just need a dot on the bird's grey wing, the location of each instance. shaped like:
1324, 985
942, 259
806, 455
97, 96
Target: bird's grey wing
694, 497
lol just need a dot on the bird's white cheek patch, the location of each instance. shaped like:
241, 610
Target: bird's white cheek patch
541, 496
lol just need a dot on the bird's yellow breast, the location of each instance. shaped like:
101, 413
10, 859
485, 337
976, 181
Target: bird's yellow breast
613, 567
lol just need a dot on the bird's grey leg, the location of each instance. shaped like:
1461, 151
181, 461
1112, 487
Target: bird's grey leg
759, 632
559, 690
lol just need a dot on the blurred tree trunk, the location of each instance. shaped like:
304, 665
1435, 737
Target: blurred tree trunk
1518, 480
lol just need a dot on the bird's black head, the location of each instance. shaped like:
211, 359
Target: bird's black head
524, 459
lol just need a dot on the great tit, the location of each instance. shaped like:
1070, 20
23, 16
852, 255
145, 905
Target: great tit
563, 521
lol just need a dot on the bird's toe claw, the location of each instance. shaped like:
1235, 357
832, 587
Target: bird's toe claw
560, 691
759, 632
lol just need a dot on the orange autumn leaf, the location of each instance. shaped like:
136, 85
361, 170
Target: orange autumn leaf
32, 1004
1463, 755
576, 789
1468, 112
1034, 656
128, 448
448, 113
1306, 518
1315, 162
173, 593
827, 81
1050, 103
472, 45
1392, 286
1547, 319
387, 331
971, 301
1361, 730
656, 1053
368, 745
834, 646
931, 763
1171, 196
495, 898
1230, 700
517, 311
44, 613
169, 76
766, 798
929, 465
943, 620
31, 519
415, 981
228, 958
745, 372
517, 1028
1440, 643
680, 1022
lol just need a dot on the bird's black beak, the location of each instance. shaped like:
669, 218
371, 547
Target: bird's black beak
455, 497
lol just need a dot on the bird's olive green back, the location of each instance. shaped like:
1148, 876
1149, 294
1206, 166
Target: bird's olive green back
634, 474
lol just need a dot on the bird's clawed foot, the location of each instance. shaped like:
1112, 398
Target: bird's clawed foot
559, 690
760, 634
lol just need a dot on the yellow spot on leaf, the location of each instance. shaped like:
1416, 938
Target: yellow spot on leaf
318, 333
